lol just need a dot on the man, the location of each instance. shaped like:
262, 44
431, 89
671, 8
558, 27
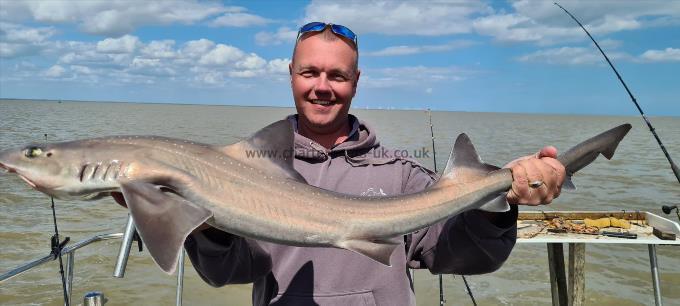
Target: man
334, 151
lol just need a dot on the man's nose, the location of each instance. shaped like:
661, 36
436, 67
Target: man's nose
323, 88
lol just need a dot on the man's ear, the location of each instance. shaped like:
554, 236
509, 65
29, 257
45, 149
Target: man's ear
290, 73
356, 81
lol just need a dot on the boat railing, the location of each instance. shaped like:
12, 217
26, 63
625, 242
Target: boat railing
70, 251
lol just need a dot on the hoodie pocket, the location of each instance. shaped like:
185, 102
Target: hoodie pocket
363, 298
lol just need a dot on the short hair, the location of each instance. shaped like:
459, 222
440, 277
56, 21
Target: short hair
328, 35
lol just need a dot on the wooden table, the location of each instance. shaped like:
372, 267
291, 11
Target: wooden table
531, 229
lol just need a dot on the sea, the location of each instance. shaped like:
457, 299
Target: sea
638, 178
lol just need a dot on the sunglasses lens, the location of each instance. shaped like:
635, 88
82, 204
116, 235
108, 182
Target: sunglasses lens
320, 26
312, 27
344, 31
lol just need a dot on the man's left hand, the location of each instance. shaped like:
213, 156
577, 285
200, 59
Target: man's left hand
537, 178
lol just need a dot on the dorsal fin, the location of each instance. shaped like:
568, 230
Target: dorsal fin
464, 163
270, 149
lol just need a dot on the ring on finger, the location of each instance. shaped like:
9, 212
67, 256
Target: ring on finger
536, 184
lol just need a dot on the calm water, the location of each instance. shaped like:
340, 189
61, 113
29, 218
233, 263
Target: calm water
637, 179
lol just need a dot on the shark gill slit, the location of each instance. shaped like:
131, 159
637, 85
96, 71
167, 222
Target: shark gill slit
94, 172
105, 174
81, 175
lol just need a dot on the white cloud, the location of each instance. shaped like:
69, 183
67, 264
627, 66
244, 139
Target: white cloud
529, 21
54, 71
596, 13
159, 49
239, 20
254, 66
666, 55
198, 61
125, 44
500, 26
251, 62
111, 18
10, 50
92, 58
145, 62
399, 17
243, 73
282, 35
209, 78
543, 23
411, 76
221, 55
278, 66
570, 56
16, 33
81, 69
18, 40
410, 50
196, 48
610, 43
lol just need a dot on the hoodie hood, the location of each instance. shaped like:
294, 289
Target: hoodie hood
357, 148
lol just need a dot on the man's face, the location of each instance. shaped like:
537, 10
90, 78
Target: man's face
324, 80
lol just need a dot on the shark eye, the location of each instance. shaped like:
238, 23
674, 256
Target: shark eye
32, 152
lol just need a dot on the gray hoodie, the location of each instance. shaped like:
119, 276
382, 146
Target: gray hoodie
285, 275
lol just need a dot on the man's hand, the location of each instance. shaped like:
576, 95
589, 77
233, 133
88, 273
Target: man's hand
537, 179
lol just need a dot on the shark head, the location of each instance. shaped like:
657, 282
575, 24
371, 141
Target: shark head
57, 169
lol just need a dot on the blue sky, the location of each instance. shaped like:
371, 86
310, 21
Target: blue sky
491, 56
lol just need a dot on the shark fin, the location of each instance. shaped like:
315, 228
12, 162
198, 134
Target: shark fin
163, 220
464, 164
378, 250
568, 184
270, 149
499, 204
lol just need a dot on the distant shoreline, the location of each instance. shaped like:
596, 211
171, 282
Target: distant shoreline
129, 102
354, 108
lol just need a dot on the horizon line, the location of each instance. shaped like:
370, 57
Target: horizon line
353, 107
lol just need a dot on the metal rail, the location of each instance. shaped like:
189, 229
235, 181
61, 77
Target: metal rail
70, 264
65, 251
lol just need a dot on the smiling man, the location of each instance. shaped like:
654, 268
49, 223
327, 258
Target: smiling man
324, 75
334, 151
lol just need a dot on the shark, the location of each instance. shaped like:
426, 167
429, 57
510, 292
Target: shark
172, 186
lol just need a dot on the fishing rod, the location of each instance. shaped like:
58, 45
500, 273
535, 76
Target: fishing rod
56, 246
442, 301
674, 167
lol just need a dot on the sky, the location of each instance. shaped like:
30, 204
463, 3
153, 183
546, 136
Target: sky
523, 56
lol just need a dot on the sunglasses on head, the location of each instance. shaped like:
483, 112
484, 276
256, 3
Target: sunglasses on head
336, 28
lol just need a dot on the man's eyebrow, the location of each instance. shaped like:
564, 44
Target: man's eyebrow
304, 67
341, 71
333, 71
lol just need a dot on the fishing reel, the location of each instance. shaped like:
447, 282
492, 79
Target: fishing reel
668, 209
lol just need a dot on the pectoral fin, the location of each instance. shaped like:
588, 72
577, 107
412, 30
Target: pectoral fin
378, 250
163, 220
499, 204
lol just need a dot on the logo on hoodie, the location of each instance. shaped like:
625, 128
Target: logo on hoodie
371, 192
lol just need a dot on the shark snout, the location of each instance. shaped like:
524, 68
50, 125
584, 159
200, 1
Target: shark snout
6, 168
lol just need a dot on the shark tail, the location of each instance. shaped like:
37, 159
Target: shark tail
586, 152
